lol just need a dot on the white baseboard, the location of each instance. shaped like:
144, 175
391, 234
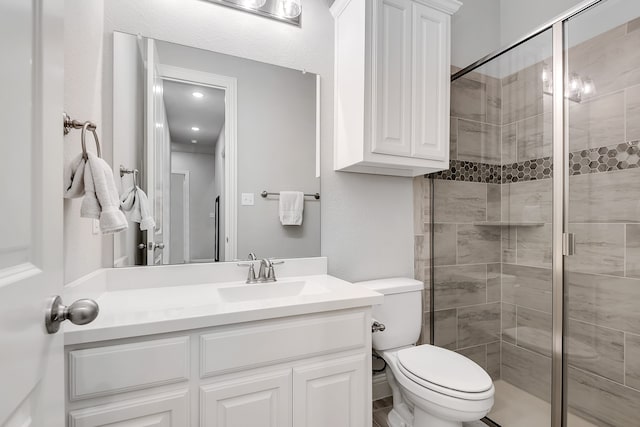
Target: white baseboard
381, 387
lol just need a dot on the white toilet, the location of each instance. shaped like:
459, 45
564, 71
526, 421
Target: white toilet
432, 386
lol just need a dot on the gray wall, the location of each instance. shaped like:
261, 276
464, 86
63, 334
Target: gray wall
201, 200
276, 127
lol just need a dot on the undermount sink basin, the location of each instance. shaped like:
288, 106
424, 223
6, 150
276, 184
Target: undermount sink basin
262, 291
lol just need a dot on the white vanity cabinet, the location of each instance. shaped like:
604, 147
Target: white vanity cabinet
392, 80
311, 370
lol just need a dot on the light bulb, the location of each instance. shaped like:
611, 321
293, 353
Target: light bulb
195, 129
588, 87
290, 8
197, 94
254, 4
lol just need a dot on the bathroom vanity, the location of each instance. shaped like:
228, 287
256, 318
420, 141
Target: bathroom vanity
220, 352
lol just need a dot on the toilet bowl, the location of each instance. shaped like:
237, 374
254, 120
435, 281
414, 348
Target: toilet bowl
432, 386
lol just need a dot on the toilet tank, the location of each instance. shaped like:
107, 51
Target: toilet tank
400, 313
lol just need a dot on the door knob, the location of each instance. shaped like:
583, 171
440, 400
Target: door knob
160, 245
142, 246
80, 312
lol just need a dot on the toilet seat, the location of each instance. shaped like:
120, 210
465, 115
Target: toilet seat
446, 372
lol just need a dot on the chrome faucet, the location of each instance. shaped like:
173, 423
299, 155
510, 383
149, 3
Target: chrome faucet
267, 272
251, 276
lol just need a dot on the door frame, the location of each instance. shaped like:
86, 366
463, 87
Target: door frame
230, 86
186, 222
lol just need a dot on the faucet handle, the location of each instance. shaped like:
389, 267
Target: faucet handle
251, 276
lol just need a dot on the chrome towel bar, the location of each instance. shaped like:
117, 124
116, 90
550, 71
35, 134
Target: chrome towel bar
314, 195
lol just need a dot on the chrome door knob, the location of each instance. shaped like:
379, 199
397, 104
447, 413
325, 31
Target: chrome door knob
80, 312
160, 245
142, 246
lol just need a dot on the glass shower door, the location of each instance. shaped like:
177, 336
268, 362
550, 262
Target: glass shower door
602, 278
491, 223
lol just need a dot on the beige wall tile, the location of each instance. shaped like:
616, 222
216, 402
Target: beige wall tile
597, 350
603, 402
633, 113
478, 142
478, 324
457, 201
494, 282
535, 137
477, 244
453, 139
493, 360
446, 334
527, 370
509, 244
632, 361
478, 354
509, 144
528, 201
597, 122
607, 301
527, 286
457, 286
468, 99
605, 197
493, 202
632, 256
599, 249
534, 330
509, 323
535, 246
444, 244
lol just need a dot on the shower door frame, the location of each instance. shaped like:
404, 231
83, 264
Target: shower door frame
562, 240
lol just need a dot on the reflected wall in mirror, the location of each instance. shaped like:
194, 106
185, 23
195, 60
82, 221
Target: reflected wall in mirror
209, 133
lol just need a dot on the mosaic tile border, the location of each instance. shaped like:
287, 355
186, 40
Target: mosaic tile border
594, 160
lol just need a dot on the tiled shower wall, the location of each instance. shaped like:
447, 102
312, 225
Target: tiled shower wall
492, 230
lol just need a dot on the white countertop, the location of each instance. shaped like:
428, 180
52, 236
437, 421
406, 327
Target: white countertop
152, 310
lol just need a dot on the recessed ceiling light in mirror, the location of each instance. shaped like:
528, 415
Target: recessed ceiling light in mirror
195, 129
288, 11
194, 141
198, 95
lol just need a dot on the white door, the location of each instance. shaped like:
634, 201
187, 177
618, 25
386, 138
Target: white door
31, 88
392, 87
156, 148
331, 393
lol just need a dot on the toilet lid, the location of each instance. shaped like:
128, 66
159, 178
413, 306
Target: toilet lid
445, 368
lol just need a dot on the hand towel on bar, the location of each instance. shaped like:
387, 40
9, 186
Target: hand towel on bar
291, 207
136, 205
74, 178
101, 200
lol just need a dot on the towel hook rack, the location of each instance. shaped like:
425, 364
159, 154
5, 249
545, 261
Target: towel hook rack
68, 123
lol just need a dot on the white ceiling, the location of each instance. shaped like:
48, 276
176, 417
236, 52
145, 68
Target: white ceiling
185, 111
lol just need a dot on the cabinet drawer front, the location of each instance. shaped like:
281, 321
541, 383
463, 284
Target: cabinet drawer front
262, 400
115, 369
279, 341
160, 410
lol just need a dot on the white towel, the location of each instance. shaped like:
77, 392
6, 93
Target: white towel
101, 200
135, 203
291, 207
74, 178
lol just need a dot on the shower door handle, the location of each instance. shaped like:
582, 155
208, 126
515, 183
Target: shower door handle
568, 244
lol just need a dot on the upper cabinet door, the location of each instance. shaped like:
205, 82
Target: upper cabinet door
391, 98
431, 63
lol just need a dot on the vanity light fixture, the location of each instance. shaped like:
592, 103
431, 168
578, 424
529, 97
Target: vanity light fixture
288, 11
577, 87
198, 95
194, 141
195, 129
290, 8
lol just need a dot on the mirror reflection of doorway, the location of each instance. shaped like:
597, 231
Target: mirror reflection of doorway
196, 122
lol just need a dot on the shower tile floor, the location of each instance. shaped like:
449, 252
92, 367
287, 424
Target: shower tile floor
512, 408
515, 407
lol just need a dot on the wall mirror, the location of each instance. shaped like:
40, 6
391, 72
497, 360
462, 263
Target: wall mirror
204, 134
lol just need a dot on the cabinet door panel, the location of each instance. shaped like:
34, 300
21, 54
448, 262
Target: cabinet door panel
430, 130
256, 401
161, 410
392, 69
330, 394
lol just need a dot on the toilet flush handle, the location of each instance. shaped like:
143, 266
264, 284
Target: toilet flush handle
377, 327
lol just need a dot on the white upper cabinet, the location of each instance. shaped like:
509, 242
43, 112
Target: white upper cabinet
392, 79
